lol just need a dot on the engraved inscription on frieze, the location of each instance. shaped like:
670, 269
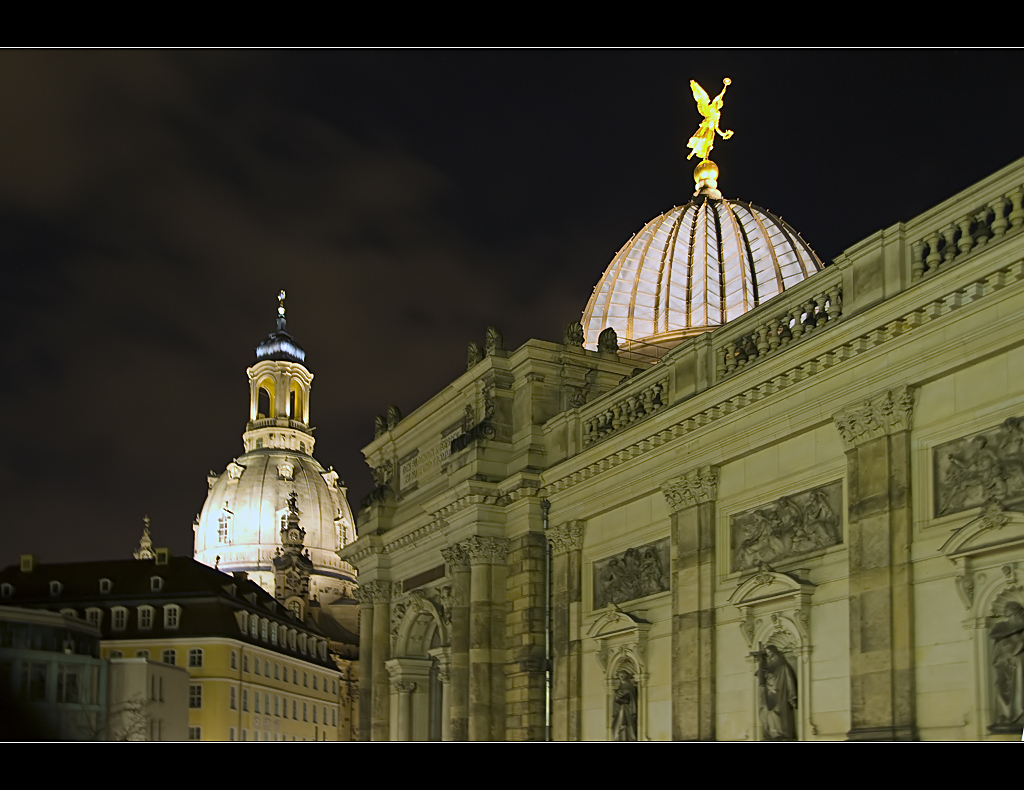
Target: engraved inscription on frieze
426, 462
972, 470
635, 573
791, 525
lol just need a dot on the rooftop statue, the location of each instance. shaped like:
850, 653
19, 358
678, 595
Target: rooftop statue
703, 139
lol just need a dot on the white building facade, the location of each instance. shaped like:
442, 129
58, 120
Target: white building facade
800, 520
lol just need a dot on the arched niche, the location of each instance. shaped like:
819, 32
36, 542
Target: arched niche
622, 648
776, 613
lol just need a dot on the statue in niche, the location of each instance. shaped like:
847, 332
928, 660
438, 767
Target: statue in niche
624, 708
473, 355
776, 694
574, 334
493, 341
1007, 648
608, 341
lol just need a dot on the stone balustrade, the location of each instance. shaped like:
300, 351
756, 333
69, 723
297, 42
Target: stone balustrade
639, 402
986, 224
804, 315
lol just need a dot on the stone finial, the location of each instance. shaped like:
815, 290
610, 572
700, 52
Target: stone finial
696, 486
473, 355
394, 416
608, 341
380, 426
574, 334
145, 549
493, 341
879, 415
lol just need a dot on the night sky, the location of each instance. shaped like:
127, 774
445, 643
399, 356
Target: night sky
152, 204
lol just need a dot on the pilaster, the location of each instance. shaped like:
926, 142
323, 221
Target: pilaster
374, 691
456, 562
877, 437
566, 595
691, 498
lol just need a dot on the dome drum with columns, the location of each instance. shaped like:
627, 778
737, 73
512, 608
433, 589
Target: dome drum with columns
239, 528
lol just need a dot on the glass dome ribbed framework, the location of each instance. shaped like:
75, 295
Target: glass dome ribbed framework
694, 268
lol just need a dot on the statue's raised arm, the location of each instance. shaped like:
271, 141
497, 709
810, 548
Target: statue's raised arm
703, 139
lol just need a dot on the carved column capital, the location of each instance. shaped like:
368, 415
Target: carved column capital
566, 537
696, 486
881, 414
485, 550
455, 558
404, 686
374, 592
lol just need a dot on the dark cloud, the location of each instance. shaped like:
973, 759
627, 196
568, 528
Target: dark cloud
152, 204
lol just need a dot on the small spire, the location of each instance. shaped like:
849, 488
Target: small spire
145, 549
280, 311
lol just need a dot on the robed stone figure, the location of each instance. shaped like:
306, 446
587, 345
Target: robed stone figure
1007, 648
776, 692
624, 708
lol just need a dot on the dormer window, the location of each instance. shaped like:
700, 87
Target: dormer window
145, 617
119, 617
94, 616
172, 615
69, 612
156, 584
55, 588
106, 585
6, 590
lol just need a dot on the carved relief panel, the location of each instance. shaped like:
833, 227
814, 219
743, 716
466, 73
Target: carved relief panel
634, 573
790, 526
973, 470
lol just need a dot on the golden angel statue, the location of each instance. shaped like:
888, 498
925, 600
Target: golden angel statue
703, 139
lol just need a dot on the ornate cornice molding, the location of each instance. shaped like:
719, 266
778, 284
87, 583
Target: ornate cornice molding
696, 486
879, 415
566, 537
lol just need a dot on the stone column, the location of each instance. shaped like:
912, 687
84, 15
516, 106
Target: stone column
486, 638
443, 657
366, 657
692, 500
882, 693
525, 634
456, 562
403, 727
375, 689
566, 594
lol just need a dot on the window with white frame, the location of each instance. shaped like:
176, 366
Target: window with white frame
295, 710
195, 733
116, 654
273, 633
231, 733
305, 714
55, 588
156, 584
245, 699
234, 660
195, 657
142, 654
69, 613
118, 618
256, 701
195, 696
314, 683
266, 667
170, 657
106, 585
172, 615
264, 625
277, 705
232, 698
253, 626
145, 617
245, 663
94, 616
277, 671
6, 590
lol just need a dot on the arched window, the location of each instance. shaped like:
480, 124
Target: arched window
265, 400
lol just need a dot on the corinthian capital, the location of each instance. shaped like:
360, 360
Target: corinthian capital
374, 592
881, 414
485, 549
455, 558
566, 537
696, 486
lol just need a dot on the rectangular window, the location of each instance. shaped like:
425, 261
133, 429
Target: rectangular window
314, 682
195, 657
120, 619
145, 617
245, 663
195, 698
232, 701
277, 671
245, 700
305, 678
305, 716
295, 710
195, 733
67, 684
170, 657
245, 734
295, 676
266, 668
277, 705
33, 682
234, 660
334, 717
231, 733
171, 616
256, 699
266, 703
314, 714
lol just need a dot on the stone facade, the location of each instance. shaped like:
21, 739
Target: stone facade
834, 479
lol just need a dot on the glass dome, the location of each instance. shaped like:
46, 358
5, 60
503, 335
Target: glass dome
695, 268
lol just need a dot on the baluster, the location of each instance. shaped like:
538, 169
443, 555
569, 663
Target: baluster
785, 335
730, 355
982, 232
1016, 215
949, 248
835, 302
821, 315
797, 327
636, 404
934, 258
999, 222
656, 395
966, 242
809, 322
917, 256
762, 340
773, 330
648, 400
723, 364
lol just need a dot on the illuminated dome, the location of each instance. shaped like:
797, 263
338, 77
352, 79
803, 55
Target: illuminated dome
695, 268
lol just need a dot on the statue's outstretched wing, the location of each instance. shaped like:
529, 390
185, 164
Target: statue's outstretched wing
701, 97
